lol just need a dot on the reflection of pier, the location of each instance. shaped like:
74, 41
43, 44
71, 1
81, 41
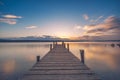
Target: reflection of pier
113, 45
60, 64
118, 45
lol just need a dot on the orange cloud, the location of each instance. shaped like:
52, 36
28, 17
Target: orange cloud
109, 26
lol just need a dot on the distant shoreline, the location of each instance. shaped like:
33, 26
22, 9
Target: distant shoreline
59, 41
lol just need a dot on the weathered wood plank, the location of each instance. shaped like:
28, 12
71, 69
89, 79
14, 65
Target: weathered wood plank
59, 65
60, 68
61, 77
47, 71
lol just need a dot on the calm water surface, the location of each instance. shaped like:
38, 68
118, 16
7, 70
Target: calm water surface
17, 58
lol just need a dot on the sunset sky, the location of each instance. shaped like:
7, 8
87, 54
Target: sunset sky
78, 19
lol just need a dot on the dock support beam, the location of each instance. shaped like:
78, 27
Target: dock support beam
38, 58
50, 46
82, 56
68, 47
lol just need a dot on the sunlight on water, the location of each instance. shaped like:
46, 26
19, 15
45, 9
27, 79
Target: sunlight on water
17, 58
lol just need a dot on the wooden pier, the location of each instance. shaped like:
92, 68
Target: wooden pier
60, 64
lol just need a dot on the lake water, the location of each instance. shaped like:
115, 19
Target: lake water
17, 58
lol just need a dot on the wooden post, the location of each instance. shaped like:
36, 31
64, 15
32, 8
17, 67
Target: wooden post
68, 47
53, 44
63, 44
56, 42
50, 46
82, 56
38, 58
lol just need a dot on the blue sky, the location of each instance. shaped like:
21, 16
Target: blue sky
61, 18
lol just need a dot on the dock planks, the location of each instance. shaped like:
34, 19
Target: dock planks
60, 64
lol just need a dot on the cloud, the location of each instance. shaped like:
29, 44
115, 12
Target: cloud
86, 37
9, 16
96, 20
89, 27
8, 21
78, 27
85, 16
31, 27
110, 25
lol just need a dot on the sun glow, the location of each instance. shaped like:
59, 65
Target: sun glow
63, 35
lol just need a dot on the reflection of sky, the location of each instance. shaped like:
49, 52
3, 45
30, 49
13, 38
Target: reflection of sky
100, 58
17, 58
8, 66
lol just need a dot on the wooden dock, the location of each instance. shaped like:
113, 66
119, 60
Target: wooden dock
60, 64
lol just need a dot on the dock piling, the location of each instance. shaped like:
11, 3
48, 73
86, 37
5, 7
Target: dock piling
53, 44
56, 42
63, 44
38, 58
82, 56
68, 47
50, 46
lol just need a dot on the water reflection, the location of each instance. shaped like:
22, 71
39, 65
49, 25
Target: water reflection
105, 54
101, 58
8, 66
17, 58
118, 45
30, 58
108, 59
